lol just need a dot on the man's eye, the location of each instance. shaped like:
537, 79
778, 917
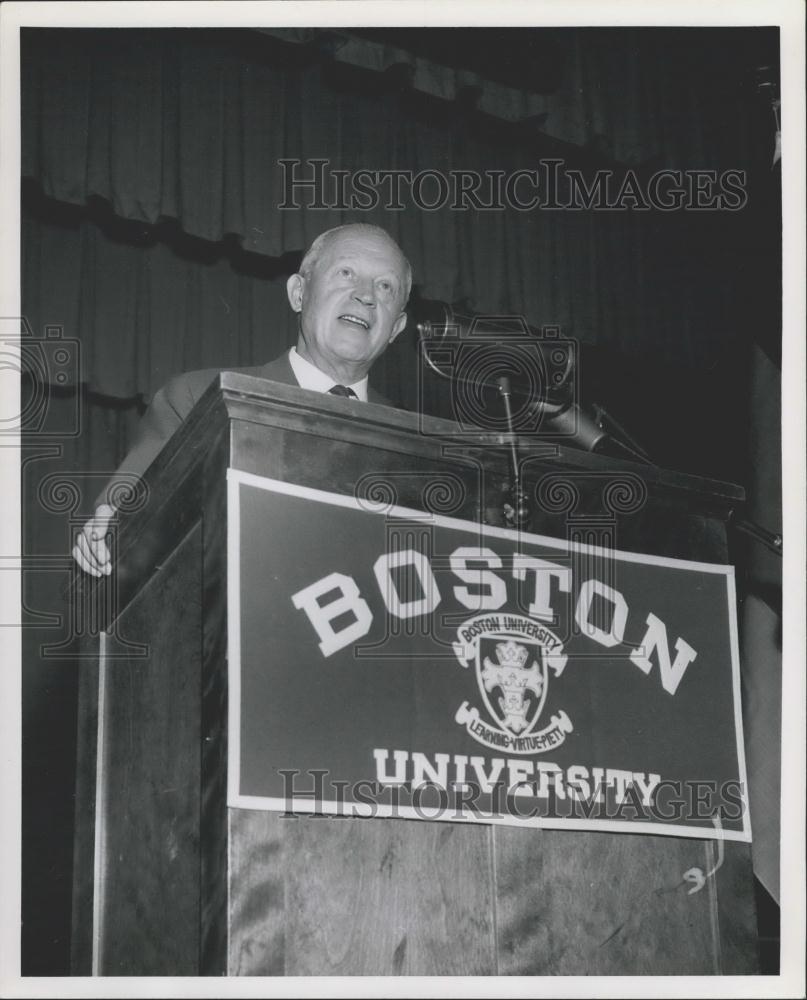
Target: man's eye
345, 272
385, 286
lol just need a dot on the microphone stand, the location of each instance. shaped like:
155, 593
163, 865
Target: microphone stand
517, 512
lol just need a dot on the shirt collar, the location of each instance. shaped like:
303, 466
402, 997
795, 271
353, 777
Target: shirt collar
310, 377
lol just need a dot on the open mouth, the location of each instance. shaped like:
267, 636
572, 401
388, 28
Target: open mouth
355, 321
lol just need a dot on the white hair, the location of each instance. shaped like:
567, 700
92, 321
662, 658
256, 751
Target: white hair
323, 241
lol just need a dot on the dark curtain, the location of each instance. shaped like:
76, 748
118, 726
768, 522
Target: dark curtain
140, 308
191, 126
153, 240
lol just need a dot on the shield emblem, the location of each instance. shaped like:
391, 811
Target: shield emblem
513, 681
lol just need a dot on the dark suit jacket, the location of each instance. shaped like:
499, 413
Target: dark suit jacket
175, 400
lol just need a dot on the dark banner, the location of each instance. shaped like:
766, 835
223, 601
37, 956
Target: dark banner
388, 662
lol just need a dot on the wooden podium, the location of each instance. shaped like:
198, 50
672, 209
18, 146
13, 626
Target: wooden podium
169, 881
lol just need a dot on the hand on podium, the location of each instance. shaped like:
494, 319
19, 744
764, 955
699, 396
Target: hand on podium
91, 551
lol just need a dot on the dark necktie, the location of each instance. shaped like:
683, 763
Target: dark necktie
342, 390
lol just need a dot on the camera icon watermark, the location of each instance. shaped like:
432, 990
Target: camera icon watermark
471, 355
40, 365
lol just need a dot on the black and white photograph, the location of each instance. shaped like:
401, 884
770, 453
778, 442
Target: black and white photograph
403, 489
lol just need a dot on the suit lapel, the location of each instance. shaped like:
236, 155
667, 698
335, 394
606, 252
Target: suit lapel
279, 370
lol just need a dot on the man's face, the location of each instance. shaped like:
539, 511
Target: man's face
351, 305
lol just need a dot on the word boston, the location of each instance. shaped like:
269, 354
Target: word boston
388, 639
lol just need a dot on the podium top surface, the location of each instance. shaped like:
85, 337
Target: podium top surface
261, 401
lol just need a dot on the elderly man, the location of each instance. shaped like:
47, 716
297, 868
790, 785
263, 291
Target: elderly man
350, 295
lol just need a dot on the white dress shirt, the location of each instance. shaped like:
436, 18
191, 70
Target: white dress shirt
310, 377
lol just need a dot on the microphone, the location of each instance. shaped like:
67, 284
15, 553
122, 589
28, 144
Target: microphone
574, 424
474, 352
486, 352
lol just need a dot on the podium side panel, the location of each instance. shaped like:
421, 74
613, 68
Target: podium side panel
84, 839
149, 827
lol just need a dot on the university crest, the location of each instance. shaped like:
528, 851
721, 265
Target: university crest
513, 683
512, 657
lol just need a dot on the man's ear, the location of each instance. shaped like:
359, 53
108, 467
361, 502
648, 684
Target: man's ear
294, 290
398, 327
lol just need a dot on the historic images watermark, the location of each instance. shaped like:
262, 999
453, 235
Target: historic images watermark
548, 186
48, 369
40, 365
470, 354
444, 788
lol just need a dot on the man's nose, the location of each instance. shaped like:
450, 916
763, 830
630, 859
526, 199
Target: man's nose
365, 291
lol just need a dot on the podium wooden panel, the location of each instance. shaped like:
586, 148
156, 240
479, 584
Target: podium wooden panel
170, 881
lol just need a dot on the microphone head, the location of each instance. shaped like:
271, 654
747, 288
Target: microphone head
480, 350
577, 427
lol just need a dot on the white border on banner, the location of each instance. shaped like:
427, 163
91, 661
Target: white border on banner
236, 478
